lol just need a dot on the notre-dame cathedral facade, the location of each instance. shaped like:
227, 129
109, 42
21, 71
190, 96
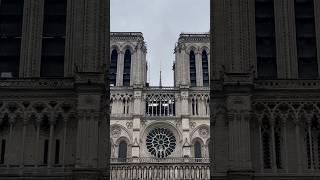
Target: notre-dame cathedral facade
245, 102
162, 131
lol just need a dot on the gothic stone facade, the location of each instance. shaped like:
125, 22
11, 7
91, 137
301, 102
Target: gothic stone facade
159, 132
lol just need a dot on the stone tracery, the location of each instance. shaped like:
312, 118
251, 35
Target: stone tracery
161, 142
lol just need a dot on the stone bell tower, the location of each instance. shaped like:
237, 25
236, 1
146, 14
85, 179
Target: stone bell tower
231, 82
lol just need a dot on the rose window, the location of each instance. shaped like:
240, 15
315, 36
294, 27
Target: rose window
161, 142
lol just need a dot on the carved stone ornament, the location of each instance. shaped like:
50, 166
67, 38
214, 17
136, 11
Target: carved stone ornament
115, 133
192, 124
129, 125
143, 122
178, 122
204, 132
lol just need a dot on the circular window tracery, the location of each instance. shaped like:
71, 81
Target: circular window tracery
160, 142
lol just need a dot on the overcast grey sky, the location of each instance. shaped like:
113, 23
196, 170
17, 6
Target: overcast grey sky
161, 22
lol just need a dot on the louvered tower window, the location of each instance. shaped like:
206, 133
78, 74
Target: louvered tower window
205, 69
113, 67
127, 68
265, 39
306, 39
53, 38
192, 61
11, 17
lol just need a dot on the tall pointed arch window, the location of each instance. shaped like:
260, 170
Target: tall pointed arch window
266, 143
122, 154
113, 68
11, 17
193, 77
265, 39
278, 142
53, 38
197, 150
312, 142
127, 68
205, 68
306, 39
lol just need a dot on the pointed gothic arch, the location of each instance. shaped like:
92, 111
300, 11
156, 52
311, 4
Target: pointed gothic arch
127, 67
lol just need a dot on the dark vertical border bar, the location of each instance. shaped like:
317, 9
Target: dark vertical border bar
107, 91
211, 75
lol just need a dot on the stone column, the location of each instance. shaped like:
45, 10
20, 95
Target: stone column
138, 64
274, 154
144, 65
184, 67
9, 154
87, 138
65, 125
90, 50
199, 74
24, 131
133, 67
209, 67
310, 145
177, 69
185, 118
186, 150
285, 145
136, 136
298, 144
120, 65
137, 117
238, 104
260, 146
52, 121
281, 37
91, 155
31, 41
37, 151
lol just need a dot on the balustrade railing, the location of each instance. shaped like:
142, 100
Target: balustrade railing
159, 160
164, 169
287, 84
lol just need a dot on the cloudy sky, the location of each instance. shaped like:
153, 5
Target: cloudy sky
161, 22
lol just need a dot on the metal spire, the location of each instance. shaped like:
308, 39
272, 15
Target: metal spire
160, 83
149, 69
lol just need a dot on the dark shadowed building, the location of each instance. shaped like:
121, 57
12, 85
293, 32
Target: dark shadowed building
265, 89
53, 119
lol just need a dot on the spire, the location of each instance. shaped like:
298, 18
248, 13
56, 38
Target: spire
149, 69
160, 83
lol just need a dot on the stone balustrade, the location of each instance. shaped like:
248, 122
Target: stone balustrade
287, 84
38, 83
166, 169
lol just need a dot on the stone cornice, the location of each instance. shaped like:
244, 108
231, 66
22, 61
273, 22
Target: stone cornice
287, 84
126, 36
37, 83
194, 37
